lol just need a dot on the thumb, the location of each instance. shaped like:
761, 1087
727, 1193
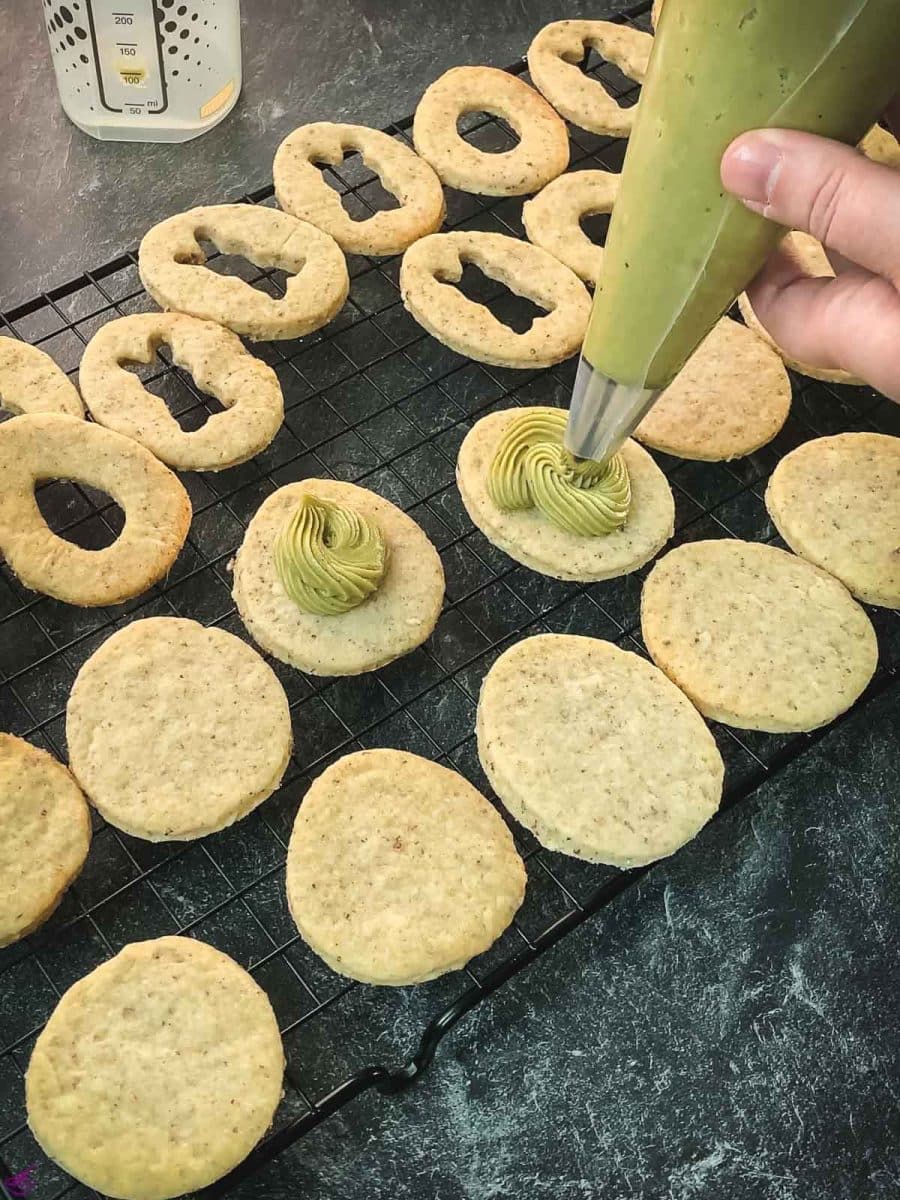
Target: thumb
824, 188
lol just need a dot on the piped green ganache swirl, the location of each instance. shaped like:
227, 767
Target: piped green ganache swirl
533, 469
329, 558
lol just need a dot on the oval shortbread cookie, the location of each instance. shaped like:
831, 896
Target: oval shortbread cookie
171, 264
45, 832
156, 506
811, 256
398, 870
595, 750
31, 382
836, 502
552, 218
542, 152
756, 637
432, 265
219, 365
553, 59
303, 192
732, 396
530, 538
157, 1073
396, 618
176, 731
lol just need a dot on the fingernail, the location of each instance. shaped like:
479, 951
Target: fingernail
750, 169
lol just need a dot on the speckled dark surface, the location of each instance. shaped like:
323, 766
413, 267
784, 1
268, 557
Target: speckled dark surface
70, 202
729, 1027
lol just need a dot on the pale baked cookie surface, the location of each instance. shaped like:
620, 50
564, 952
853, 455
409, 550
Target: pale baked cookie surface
595, 750
542, 151
756, 637
811, 256
836, 501
531, 539
396, 618
45, 832
219, 365
881, 146
171, 264
157, 1073
31, 382
156, 506
302, 191
176, 731
432, 265
731, 397
398, 870
553, 59
552, 218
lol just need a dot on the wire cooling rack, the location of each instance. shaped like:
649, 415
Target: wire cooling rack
374, 400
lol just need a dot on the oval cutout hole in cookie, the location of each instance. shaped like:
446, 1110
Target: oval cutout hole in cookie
361, 191
487, 132
595, 226
517, 312
80, 514
623, 90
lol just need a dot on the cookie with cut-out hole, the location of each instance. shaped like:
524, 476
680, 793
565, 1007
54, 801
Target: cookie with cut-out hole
553, 59
44, 446
157, 1073
542, 151
432, 264
45, 833
176, 731
302, 191
171, 265
398, 870
31, 382
219, 365
552, 218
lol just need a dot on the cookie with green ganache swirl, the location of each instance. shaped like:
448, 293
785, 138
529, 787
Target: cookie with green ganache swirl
570, 521
329, 557
335, 580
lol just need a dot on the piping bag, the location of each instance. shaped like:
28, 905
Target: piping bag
680, 249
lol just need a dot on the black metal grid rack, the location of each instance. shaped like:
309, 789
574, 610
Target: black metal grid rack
374, 400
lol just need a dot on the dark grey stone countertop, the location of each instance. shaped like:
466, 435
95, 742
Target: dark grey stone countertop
727, 1028
70, 203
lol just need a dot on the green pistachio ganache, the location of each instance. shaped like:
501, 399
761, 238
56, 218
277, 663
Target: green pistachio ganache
533, 469
329, 558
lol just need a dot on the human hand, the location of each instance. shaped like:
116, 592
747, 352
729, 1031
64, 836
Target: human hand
852, 206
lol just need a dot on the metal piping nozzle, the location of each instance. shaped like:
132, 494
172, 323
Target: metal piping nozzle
603, 413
